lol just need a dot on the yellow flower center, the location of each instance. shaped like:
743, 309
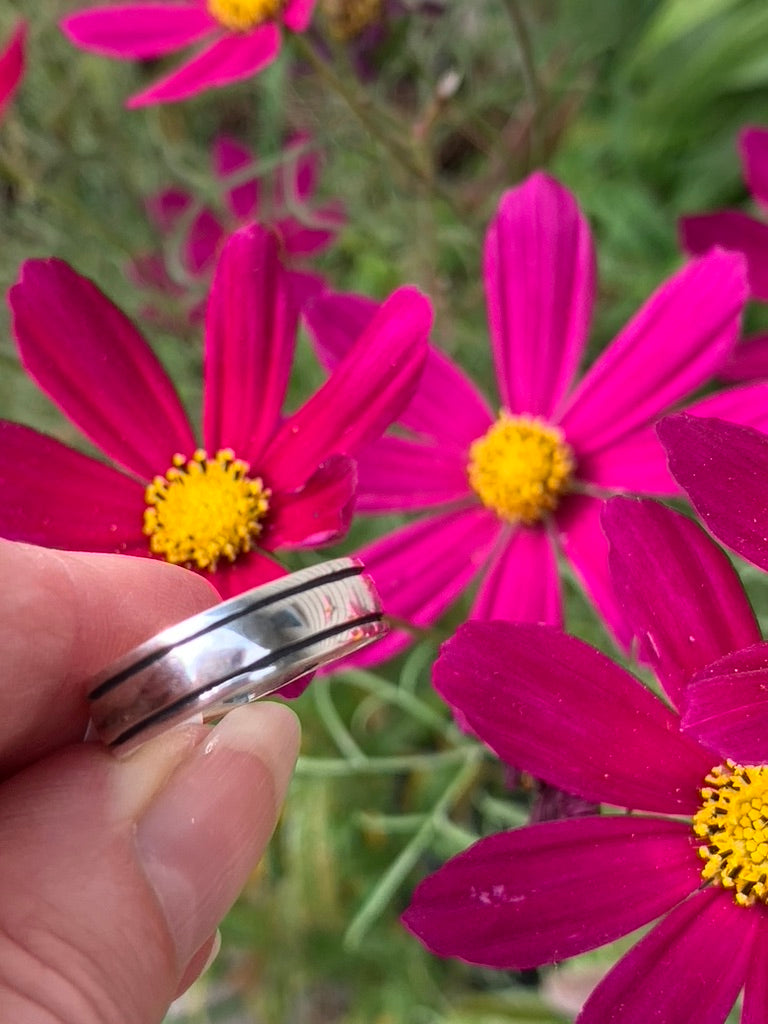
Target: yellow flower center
733, 821
243, 15
204, 509
520, 468
348, 18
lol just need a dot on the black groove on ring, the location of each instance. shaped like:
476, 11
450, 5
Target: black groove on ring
296, 646
150, 659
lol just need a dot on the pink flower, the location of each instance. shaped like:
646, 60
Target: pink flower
506, 496
284, 204
12, 60
723, 468
737, 231
259, 481
240, 38
692, 850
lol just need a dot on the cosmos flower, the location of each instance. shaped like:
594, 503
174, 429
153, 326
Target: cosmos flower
239, 37
12, 60
740, 232
506, 495
691, 850
259, 481
282, 201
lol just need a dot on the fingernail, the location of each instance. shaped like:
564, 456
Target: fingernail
200, 962
213, 952
202, 833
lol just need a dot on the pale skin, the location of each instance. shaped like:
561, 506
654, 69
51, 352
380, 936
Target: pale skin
115, 874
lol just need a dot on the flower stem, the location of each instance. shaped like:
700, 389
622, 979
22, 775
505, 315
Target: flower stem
527, 62
411, 853
331, 719
403, 699
338, 767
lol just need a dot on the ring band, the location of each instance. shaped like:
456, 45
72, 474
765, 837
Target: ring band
236, 652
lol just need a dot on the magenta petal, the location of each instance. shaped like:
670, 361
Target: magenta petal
746, 405
552, 705
251, 325
682, 598
446, 407
420, 569
300, 239
12, 62
335, 321
305, 286
298, 14
753, 144
317, 514
150, 271
583, 541
737, 232
229, 59
167, 208
723, 467
672, 346
204, 238
523, 583
680, 972
748, 362
755, 1009
520, 899
367, 391
726, 705
636, 463
90, 359
248, 571
296, 178
539, 271
138, 30
230, 157
54, 496
395, 475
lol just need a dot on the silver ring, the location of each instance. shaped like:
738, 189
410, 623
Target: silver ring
236, 652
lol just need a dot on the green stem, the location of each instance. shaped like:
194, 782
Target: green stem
201, 182
502, 813
415, 664
321, 691
527, 62
459, 838
338, 767
390, 824
410, 855
406, 701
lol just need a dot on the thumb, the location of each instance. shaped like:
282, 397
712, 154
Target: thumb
114, 874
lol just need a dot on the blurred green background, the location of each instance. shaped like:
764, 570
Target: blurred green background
635, 105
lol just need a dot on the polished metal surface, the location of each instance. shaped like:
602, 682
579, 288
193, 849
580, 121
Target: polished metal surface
236, 652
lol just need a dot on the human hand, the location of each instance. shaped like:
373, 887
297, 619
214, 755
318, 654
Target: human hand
115, 874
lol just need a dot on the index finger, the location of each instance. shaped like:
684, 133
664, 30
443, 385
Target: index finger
63, 617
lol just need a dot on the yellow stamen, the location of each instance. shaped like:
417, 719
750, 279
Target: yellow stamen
204, 509
243, 15
733, 821
520, 468
348, 18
